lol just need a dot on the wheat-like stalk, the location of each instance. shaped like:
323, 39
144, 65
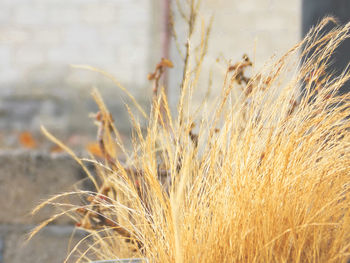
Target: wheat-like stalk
261, 178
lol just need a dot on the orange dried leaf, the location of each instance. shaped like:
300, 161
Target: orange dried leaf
90, 198
56, 149
27, 140
166, 63
151, 76
81, 210
94, 149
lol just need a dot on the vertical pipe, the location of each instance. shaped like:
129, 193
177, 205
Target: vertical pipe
166, 34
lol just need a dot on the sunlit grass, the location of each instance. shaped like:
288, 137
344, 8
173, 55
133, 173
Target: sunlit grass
263, 177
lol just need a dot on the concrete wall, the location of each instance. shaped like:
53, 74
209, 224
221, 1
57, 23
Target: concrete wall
39, 39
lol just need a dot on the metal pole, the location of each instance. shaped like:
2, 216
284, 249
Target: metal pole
166, 35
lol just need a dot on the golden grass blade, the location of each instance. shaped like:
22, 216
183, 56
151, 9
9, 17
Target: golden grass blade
71, 153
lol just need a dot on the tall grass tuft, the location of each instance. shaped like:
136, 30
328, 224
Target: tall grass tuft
259, 177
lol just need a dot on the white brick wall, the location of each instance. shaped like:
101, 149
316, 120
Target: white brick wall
27, 56
40, 38
5, 55
74, 31
30, 14
11, 35
99, 14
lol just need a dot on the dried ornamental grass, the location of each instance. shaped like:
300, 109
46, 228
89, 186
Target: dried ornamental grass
259, 178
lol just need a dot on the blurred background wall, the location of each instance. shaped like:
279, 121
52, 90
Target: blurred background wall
259, 28
39, 39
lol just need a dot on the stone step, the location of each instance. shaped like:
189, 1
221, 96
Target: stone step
52, 245
27, 179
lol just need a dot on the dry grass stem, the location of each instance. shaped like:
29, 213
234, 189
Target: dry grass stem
264, 177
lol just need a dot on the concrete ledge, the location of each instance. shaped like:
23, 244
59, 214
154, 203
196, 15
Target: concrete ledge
52, 244
27, 179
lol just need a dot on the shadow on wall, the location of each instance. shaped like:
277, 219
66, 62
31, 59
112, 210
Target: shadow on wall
312, 13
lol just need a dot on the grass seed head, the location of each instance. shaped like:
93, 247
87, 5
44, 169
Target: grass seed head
264, 178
